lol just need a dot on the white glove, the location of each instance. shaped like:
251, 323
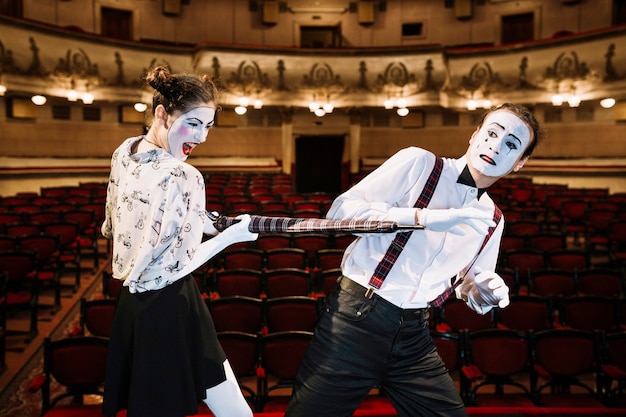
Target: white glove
489, 290
239, 232
449, 220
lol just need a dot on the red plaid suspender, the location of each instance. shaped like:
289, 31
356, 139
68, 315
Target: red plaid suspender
438, 302
396, 247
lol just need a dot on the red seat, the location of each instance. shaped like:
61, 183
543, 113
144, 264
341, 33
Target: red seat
286, 258
456, 315
526, 312
240, 281
285, 282
281, 354
564, 358
588, 312
77, 364
236, 313
291, 313
497, 358
96, 316
242, 352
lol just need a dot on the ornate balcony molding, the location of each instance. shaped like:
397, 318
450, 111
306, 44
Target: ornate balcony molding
40, 59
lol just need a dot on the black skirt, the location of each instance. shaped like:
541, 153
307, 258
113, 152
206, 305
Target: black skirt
163, 353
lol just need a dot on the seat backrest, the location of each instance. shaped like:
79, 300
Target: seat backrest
17, 266
343, 240
110, 286
240, 281
328, 259
8, 243
267, 241
526, 312
285, 258
565, 352
67, 231
327, 280
449, 347
282, 352
243, 258
614, 348
458, 316
600, 281
524, 227
242, 351
547, 241
552, 283
568, 260
284, 282
617, 232
311, 243
562, 359
236, 313
499, 352
44, 245
524, 261
23, 228
96, 316
291, 313
588, 312
77, 363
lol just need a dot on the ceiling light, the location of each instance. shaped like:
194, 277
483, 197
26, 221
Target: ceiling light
72, 95
388, 104
573, 101
319, 112
3, 90
241, 110
313, 106
328, 107
38, 100
607, 103
557, 100
258, 104
472, 105
402, 111
140, 107
87, 98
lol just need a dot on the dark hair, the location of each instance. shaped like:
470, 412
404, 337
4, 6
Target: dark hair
180, 92
527, 117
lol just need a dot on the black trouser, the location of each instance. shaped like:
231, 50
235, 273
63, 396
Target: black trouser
361, 343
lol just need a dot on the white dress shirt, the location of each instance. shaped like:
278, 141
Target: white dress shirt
430, 259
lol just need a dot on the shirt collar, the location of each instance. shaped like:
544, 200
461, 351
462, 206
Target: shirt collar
466, 178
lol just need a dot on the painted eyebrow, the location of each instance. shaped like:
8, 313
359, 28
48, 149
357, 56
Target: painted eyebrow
510, 134
211, 123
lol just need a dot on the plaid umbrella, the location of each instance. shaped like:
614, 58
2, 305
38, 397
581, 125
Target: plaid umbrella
264, 224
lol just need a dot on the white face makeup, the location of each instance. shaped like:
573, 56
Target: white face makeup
497, 147
189, 130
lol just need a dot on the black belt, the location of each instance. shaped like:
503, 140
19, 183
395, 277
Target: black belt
357, 290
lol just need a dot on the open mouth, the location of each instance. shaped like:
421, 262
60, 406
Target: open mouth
487, 159
188, 147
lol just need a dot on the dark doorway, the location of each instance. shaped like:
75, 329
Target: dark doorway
518, 28
320, 36
14, 8
318, 163
619, 12
116, 23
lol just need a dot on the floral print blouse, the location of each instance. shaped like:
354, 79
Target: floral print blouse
155, 216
